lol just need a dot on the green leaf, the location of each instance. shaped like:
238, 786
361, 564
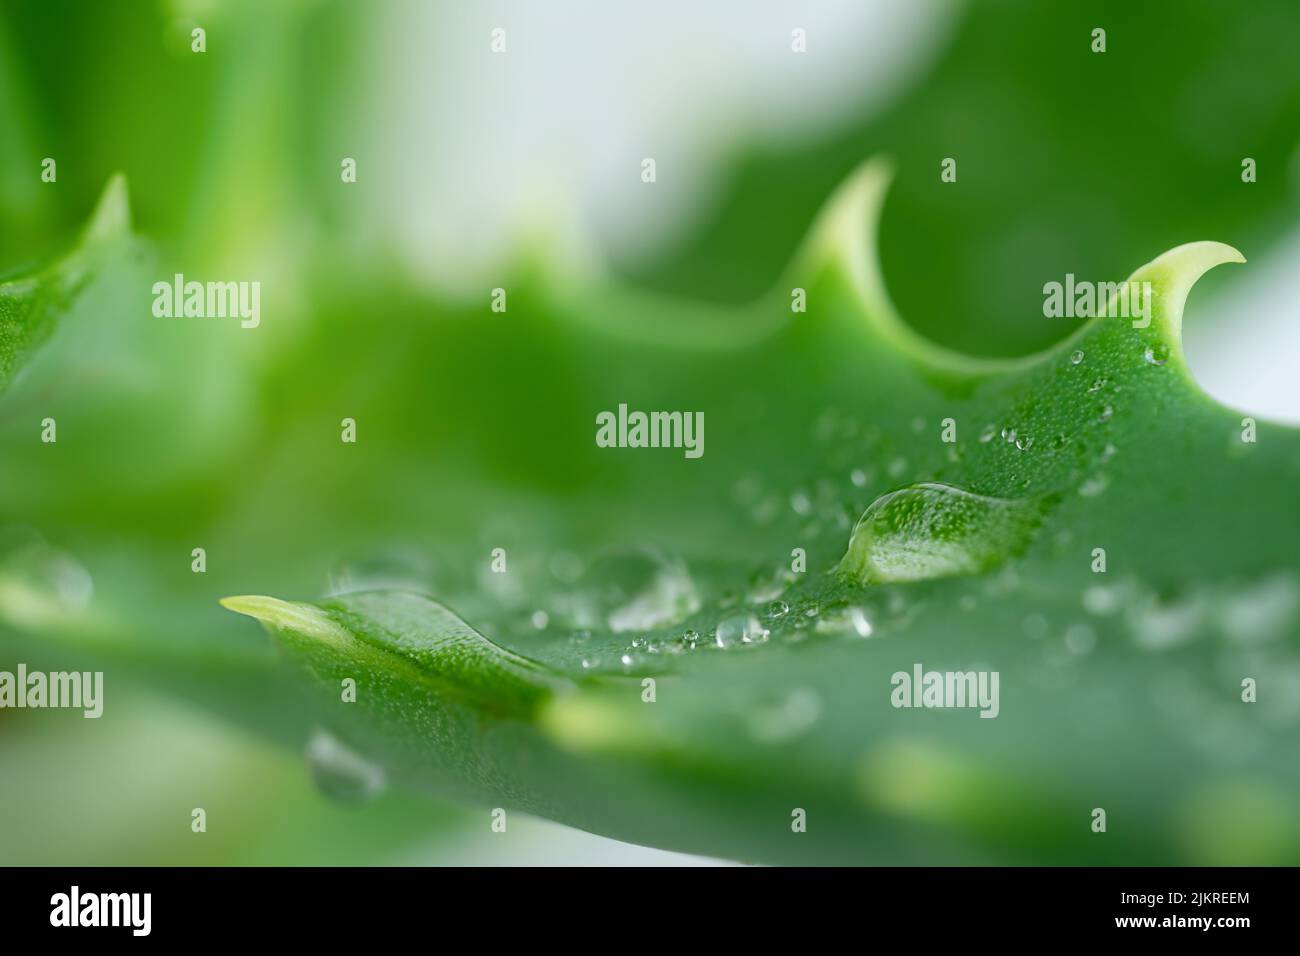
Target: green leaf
774, 686
31, 305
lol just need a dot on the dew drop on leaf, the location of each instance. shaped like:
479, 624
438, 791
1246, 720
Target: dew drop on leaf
1156, 354
932, 530
739, 629
778, 609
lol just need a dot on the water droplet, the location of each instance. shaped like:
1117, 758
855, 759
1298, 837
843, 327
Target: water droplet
589, 662
739, 629
1024, 444
778, 609
1009, 435
1105, 413
628, 661
987, 434
1156, 354
1097, 385
932, 530
540, 619
1076, 357
858, 477
801, 503
340, 772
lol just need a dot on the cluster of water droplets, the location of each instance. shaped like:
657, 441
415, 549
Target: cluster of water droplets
921, 531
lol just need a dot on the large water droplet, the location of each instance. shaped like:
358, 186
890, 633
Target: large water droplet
340, 772
932, 530
739, 629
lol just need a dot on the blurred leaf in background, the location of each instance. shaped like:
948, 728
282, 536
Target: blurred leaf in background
475, 428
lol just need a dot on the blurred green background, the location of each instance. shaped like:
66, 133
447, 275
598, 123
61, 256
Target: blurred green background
469, 169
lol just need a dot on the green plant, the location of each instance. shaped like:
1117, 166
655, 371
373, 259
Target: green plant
772, 688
